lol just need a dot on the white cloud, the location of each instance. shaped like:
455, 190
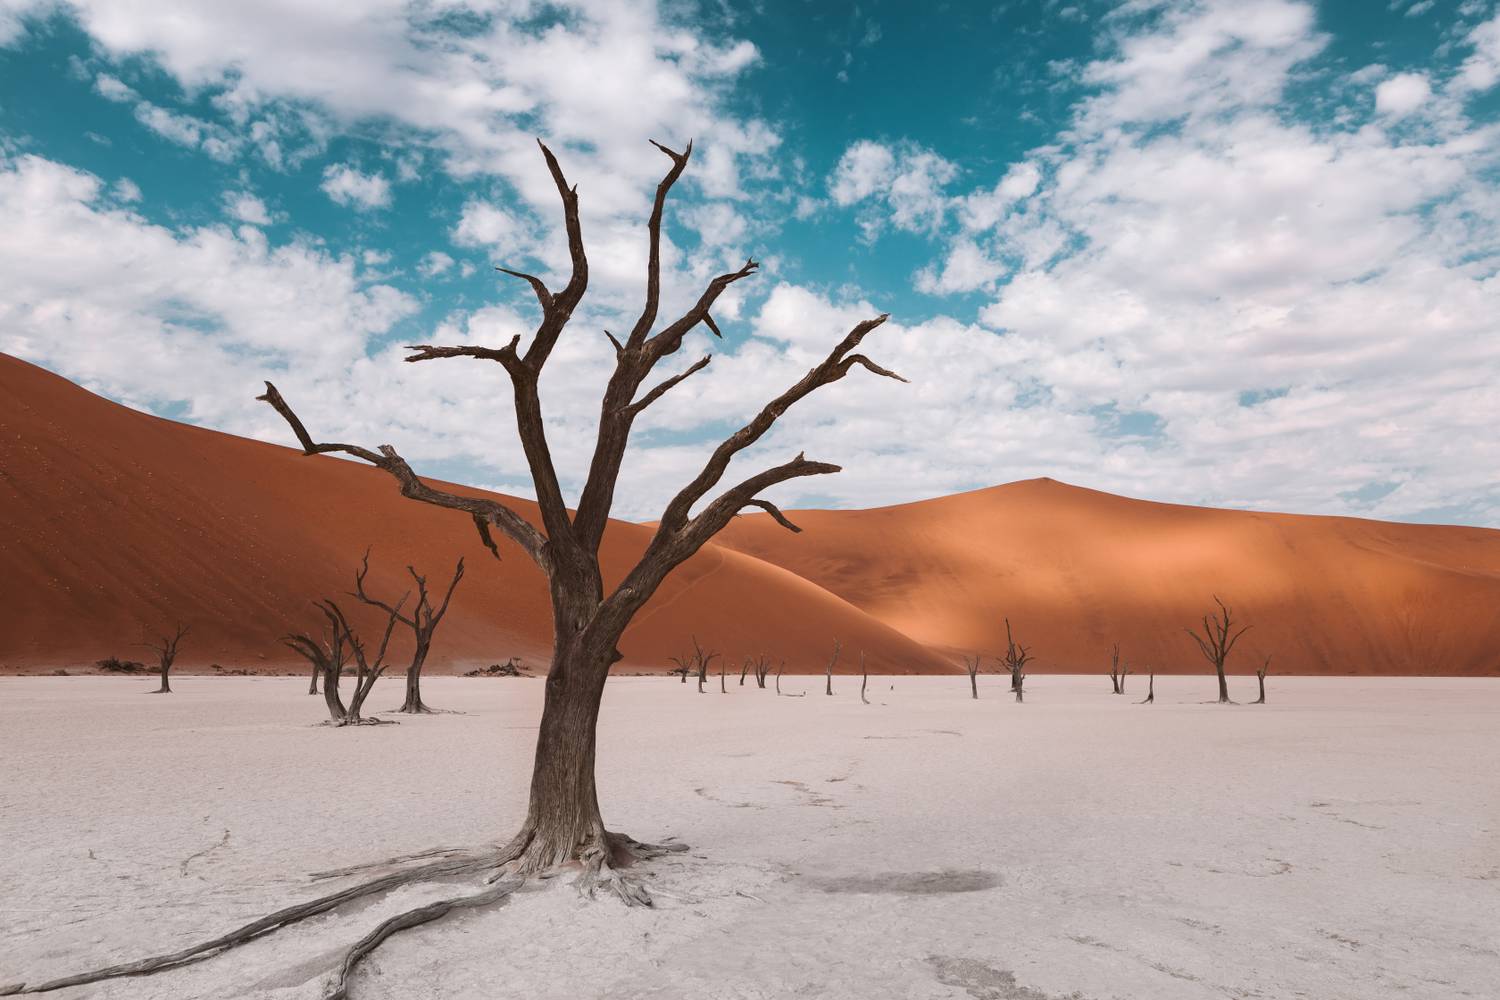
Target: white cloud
127, 190
1402, 94
434, 263
154, 315
347, 186
1481, 70
903, 186
246, 207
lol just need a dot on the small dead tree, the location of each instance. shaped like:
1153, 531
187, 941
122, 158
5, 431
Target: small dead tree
1150, 690
1260, 677
701, 660
864, 672
684, 666
367, 670
828, 673
971, 664
723, 662
1217, 641
1115, 679
327, 654
1016, 657
762, 668
329, 657
165, 648
423, 622
744, 669
1124, 673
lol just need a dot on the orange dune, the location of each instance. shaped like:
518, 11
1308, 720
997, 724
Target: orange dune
1076, 570
115, 521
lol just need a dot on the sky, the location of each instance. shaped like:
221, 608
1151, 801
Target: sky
1239, 253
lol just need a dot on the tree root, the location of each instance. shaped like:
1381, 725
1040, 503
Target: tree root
413, 918
508, 872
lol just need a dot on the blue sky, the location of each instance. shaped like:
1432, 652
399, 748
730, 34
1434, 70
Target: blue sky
1239, 254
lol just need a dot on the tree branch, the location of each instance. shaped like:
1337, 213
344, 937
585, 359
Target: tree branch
491, 512
775, 512
635, 408
647, 319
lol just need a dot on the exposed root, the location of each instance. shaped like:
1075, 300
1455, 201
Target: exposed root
400, 859
509, 867
257, 928
339, 990
361, 721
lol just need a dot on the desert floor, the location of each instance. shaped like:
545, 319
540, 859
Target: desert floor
1341, 842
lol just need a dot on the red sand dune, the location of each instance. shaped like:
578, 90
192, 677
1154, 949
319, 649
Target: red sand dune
115, 521
1076, 570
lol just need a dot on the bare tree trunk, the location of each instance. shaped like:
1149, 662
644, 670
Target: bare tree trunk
1114, 669
166, 686
1150, 690
744, 669
865, 675
312, 683
723, 688
828, 674
413, 705
1217, 641
1260, 677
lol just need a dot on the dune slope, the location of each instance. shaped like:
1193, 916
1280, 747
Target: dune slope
1077, 570
116, 521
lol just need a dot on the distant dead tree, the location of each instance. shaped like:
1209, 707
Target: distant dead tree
1114, 668
1217, 641
1124, 673
423, 622
744, 669
327, 654
865, 677
828, 673
165, 648
563, 825
762, 668
1260, 676
701, 660
1150, 690
971, 664
684, 666
331, 655
779, 669
1016, 657
723, 688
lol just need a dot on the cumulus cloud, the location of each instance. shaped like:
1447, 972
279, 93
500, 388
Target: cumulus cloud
246, 207
1402, 94
904, 184
347, 186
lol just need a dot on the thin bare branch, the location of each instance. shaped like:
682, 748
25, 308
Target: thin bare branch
775, 512
663, 388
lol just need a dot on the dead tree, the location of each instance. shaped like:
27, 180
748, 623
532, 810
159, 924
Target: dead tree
1016, 657
684, 666
762, 668
563, 824
971, 664
331, 655
1216, 642
1124, 673
865, 677
327, 655
1260, 676
701, 660
723, 662
779, 669
1114, 669
828, 673
744, 669
165, 648
423, 622
1150, 690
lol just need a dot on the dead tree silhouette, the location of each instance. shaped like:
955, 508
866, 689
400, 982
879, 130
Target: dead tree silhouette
1150, 690
828, 673
971, 664
1115, 677
1216, 642
1016, 658
423, 622
1260, 676
165, 648
563, 822
329, 657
